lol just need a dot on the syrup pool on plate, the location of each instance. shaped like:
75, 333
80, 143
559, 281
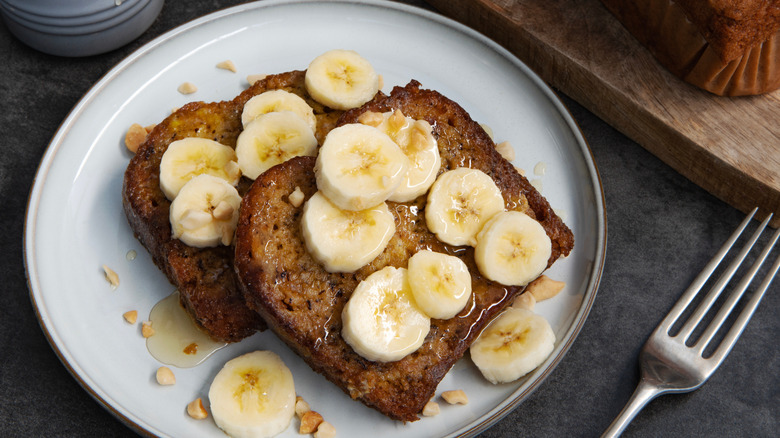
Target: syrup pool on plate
177, 340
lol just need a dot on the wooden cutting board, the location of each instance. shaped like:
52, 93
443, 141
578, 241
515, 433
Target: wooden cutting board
728, 146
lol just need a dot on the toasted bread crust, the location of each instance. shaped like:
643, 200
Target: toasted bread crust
302, 303
204, 277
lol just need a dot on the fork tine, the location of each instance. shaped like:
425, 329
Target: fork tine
718, 287
701, 279
737, 294
744, 316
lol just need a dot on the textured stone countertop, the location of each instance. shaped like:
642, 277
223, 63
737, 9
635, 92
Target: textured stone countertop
662, 229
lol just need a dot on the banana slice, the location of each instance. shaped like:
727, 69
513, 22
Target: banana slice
190, 157
271, 139
459, 203
512, 249
253, 396
278, 100
415, 138
514, 344
344, 240
359, 166
341, 79
381, 320
441, 283
205, 213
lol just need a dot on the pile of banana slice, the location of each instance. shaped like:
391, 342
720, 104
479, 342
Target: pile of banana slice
347, 223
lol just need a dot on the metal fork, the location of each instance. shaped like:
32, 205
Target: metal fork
668, 363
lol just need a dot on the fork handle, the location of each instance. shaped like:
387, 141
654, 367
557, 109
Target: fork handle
643, 393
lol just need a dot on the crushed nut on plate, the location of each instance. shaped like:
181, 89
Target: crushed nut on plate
196, 410
227, 65
254, 78
187, 88
456, 396
146, 329
544, 288
131, 316
506, 150
310, 421
135, 137
301, 406
325, 430
526, 301
165, 376
431, 409
111, 276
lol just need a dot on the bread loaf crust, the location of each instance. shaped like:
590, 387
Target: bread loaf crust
727, 47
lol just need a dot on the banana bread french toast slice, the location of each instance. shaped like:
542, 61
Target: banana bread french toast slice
302, 303
204, 277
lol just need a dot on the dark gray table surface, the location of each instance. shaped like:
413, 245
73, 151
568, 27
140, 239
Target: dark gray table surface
662, 230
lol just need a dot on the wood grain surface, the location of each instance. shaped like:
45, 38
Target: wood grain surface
728, 146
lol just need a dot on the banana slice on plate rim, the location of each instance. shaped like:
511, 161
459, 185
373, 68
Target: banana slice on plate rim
515, 343
253, 396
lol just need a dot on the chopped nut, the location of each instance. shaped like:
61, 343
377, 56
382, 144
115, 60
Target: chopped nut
196, 410
111, 276
544, 288
165, 376
456, 396
540, 169
417, 140
254, 78
149, 128
233, 170
223, 211
227, 236
397, 120
506, 150
381, 82
135, 137
520, 171
431, 409
301, 406
146, 329
537, 183
487, 129
371, 118
131, 316
325, 430
187, 88
227, 65
310, 421
296, 197
526, 301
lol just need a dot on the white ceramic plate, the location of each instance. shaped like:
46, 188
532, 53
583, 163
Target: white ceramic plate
75, 222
